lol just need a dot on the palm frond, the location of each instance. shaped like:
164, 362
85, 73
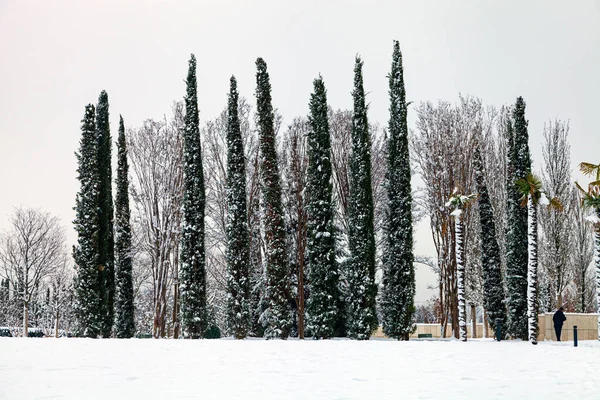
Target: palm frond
590, 169
580, 188
556, 204
590, 201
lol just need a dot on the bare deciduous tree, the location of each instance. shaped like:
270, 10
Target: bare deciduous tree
555, 238
156, 151
30, 252
442, 149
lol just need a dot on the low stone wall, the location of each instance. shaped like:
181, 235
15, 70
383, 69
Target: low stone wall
587, 328
434, 330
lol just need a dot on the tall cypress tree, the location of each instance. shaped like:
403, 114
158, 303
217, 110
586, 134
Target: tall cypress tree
398, 300
493, 287
88, 306
277, 269
238, 246
323, 313
362, 315
124, 318
193, 262
106, 214
516, 238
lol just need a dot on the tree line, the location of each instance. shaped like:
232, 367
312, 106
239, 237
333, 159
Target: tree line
242, 227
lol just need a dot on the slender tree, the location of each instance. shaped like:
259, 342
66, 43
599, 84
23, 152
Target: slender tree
399, 274
88, 306
532, 196
106, 241
458, 202
193, 267
362, 315
516, 251
493, 287
278, 295
322, 265
238, 250
590, 199
124, 312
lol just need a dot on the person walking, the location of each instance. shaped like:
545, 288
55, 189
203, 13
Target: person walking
558, 319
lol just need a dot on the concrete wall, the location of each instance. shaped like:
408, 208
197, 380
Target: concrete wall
587, 328
434, 330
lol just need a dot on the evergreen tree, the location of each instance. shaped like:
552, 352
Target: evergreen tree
398, 305
193, 262
238, 250
322, 307
124, 311
493, 287
362, 315
88, 306
105, 215
516, 238
279, 316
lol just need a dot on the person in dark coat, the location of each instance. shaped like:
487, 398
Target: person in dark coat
558, 319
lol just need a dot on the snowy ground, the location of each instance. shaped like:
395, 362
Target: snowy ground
257, 369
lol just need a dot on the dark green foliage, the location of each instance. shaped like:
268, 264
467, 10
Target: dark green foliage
105, 215
398, 300
493, 288
519, 165
193, 263
322, 307
362, 315
88, 306
279, 315
212, 332
238, 246
124, 310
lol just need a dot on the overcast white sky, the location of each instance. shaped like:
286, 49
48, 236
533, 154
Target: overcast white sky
56, 56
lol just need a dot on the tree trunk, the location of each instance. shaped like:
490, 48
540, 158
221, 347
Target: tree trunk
597, 265
56, 325
460, 276
559, 302
485, 324
532, 270
176, 308
474, 319
25, 319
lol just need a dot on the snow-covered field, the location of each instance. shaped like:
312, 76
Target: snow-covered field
257, 369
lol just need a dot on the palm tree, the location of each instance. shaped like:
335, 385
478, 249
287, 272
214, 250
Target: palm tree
458, 202
590, 198
533, 196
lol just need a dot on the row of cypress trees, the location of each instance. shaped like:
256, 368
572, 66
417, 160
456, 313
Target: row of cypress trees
325, 305
104, 289
103, 294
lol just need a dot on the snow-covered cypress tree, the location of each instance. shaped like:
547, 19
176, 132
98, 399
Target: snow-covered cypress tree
238, 250
516, 238
458, 202
322, 307
397, 305
193, 262
362, 315
279, 319
106, 214
106, 240
124, 310
88, 307
493, 287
